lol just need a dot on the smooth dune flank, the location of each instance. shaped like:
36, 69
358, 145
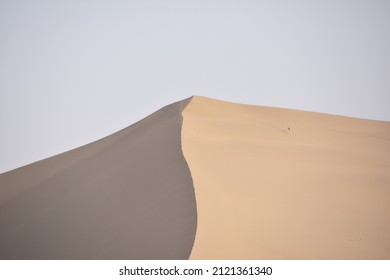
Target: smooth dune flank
284, 184
127, 196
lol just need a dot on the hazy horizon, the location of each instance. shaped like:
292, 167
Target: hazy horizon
73, 72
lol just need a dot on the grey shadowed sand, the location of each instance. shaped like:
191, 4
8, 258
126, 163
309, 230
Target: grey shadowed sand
127, 196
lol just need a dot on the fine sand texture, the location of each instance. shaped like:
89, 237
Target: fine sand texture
127, 196
275, 183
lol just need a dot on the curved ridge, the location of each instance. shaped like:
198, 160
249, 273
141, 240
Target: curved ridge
127, 196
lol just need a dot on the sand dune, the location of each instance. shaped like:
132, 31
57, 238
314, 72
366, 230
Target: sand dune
283, 184
207, 179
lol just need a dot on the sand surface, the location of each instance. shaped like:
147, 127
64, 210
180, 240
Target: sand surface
283, 184
208, 179
127, 196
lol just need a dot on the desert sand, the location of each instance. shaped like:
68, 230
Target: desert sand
275, 183
127, 196
207, 179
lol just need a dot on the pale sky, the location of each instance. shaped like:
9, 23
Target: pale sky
72, 72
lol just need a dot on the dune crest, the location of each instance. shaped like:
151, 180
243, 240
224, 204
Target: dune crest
208, 179
274, 183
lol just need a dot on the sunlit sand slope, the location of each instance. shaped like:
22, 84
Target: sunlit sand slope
283, 184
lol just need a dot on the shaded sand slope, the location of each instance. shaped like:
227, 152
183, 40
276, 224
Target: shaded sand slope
126, 196
319, 190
